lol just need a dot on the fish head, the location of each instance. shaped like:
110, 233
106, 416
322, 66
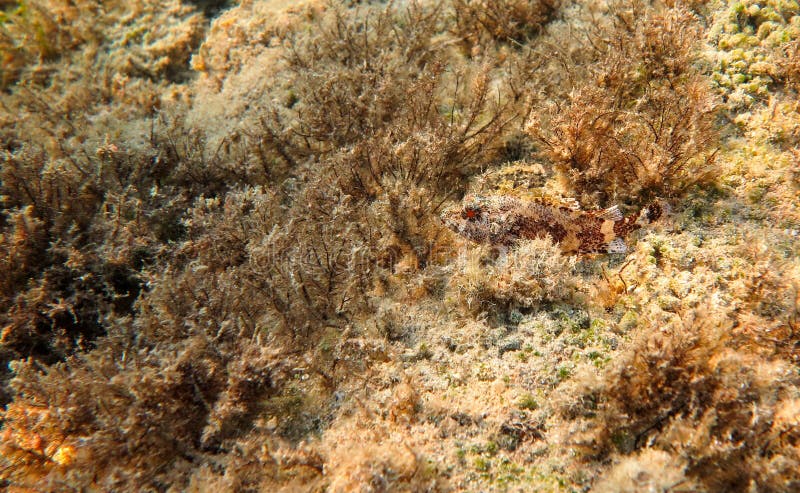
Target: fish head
471, 219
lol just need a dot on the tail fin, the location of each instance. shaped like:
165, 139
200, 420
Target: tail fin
653, 212
648, 215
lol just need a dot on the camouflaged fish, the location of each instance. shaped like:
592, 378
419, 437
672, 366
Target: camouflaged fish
502, 220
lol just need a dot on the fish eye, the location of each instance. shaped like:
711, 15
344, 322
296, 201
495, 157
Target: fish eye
470, 213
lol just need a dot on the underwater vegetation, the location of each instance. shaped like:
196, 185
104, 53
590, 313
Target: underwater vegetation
223, 265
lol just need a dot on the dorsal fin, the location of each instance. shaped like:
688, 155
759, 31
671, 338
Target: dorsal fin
611, 214
557, 202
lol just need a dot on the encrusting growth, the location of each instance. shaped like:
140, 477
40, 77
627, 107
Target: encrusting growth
503, 220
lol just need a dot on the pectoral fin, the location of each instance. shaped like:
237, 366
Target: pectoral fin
617, 245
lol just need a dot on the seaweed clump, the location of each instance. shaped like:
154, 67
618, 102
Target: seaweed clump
480, 24
638, 120
699, 392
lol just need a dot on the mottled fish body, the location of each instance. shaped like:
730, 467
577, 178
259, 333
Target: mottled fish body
503, 220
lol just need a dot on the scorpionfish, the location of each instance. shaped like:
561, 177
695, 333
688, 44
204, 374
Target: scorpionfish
503, 220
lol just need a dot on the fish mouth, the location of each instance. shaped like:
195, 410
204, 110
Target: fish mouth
448, 218
451, 225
